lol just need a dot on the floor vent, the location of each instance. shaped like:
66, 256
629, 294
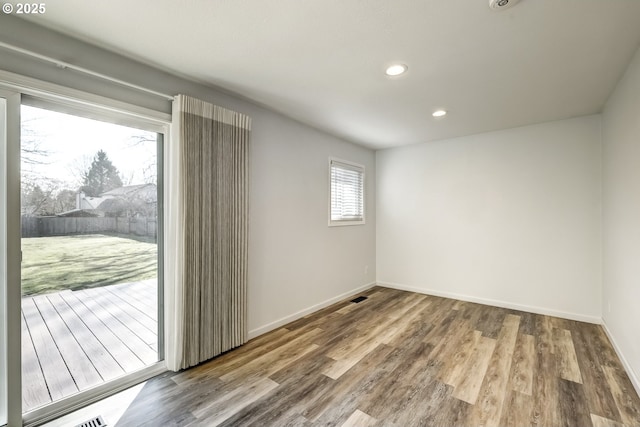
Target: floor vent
359, 299
93, 422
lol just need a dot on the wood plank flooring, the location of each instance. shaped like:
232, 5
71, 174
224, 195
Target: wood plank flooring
72, 341
401, 359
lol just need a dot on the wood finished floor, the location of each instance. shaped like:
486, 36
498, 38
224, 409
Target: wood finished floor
403, 359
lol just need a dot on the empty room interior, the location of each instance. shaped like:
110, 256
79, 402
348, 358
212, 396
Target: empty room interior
305, 213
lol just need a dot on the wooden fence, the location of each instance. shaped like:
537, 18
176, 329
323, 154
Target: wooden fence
61, 226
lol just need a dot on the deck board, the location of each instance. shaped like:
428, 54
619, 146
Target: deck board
35, 392
99, 298
59, 380
120, 330
72, 341
134, 304
93, 348
137, 299
132, 313
81, 369
118, 350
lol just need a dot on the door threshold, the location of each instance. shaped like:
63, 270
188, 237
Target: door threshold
79, 406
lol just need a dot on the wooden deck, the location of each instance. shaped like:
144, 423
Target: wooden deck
74, 340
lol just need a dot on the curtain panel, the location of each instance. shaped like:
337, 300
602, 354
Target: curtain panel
207, 233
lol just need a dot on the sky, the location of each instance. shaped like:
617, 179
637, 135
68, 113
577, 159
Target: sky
71, 142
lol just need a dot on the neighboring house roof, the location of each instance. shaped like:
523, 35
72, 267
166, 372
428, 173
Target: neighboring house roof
111, 201
143, 190
113, 205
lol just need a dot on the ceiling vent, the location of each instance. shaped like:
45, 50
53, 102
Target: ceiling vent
501, 4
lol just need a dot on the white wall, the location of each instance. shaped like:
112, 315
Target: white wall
510, 218
296, 262
621, 199
295, 259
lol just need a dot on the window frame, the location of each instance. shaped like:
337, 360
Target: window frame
353, 165
10, 253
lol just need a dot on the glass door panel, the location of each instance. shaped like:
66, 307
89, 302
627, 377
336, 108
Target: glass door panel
90, 232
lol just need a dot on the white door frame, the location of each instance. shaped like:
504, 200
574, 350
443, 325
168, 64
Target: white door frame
10, 253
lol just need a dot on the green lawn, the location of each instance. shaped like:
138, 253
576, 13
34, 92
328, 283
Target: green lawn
52, 264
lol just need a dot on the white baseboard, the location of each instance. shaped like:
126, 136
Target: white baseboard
627, 367
496, 303
295, 316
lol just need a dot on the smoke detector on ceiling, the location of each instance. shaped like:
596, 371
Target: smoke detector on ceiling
501, 4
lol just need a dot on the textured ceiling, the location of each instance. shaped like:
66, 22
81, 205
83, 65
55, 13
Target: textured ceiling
322, 62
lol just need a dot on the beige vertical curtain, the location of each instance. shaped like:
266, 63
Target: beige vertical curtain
206, 257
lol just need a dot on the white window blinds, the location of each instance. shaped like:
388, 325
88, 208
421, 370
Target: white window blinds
347, 193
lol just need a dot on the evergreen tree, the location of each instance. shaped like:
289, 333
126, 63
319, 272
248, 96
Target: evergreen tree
102, 176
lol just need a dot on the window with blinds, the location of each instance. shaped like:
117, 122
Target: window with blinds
346, 201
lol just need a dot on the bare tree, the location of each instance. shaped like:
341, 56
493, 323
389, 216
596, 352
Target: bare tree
32, 153
78, 169
127, 179
31, 150
37, 190
150, 164
41, 198
65, 201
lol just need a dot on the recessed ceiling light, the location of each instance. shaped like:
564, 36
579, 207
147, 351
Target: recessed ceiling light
439, 113
396, 70
501, 4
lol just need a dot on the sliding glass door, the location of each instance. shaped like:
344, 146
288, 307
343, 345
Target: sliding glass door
89, 225
80, 255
